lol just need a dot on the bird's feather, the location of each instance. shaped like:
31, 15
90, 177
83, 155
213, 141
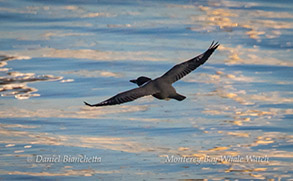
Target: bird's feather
182, 69
126, 96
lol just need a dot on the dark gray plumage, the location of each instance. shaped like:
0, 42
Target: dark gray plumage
160, 88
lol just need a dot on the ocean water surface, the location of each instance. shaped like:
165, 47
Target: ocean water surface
236, 122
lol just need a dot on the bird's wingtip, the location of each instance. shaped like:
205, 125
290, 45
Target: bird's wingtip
214, 45
87, 104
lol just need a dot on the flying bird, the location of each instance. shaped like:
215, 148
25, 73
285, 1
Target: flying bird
161, 87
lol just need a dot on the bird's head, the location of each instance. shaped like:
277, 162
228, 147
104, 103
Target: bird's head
140, 80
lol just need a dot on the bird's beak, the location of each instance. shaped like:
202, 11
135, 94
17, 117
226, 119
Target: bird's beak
133, 81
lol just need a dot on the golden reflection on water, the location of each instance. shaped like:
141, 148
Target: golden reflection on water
63, 172
12, 137
242, 55
252, 20
96, 73
72, 112
90, 54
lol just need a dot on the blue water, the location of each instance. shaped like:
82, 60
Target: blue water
56, 54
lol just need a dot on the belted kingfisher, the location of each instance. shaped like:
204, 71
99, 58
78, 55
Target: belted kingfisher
161, 87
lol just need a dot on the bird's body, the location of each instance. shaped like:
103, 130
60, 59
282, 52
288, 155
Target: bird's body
166, 90
161, 87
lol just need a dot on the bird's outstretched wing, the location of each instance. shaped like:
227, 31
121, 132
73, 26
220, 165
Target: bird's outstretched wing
126, 96
182, 69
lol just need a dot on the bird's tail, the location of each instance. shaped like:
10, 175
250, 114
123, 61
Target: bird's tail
178, 97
